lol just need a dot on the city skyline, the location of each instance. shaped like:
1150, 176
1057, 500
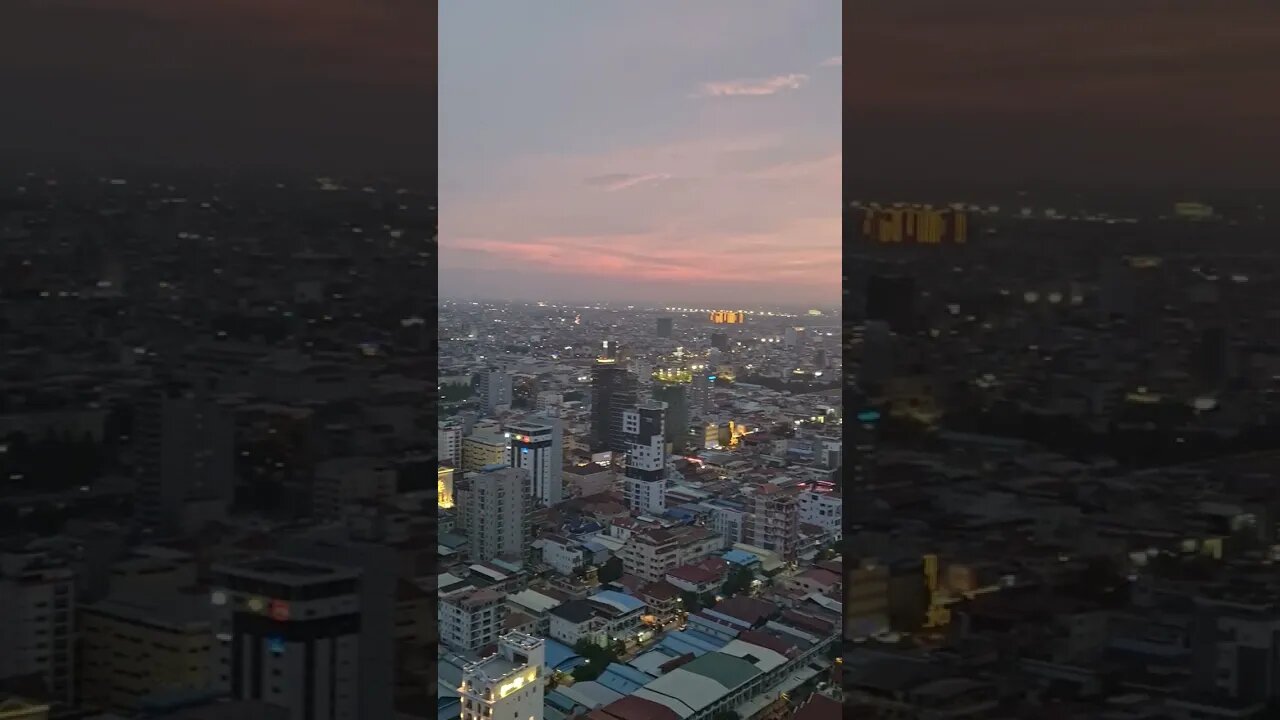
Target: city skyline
697, 153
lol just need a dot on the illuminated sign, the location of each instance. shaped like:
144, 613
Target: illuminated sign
275, 645
279, 610
868, 416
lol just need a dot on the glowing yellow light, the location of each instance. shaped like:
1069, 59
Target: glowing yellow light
515, 684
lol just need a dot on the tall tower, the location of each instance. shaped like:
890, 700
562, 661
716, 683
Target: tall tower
495, 389
700, 391
496, 510
675, 395
534, 448
612, 390
508, 684
288, 633
646, 458
186, 459
664, 327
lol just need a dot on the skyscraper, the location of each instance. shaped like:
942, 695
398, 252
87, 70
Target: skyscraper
496, 507
700, 391
186, 468
288, 633
720, 341
494, 389
613, 389
449, 442
665, 325
646, 469
533, 447
675, 395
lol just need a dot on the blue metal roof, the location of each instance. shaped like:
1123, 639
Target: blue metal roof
682, 642
561, 657
740, 557
629, 603
559, 700
623, 679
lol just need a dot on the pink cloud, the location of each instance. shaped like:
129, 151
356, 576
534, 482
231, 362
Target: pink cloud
832, 62
753, 87
621, 181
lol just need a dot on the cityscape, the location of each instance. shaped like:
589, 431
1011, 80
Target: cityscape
619, 274
640, 369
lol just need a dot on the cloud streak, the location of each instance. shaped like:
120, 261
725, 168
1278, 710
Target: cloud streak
832, 62
621, 181
754, 87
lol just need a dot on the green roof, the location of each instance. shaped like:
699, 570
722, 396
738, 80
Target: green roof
727, 670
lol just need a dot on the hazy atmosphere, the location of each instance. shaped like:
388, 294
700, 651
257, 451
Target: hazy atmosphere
659, 151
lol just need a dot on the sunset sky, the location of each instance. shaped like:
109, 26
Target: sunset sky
655, 151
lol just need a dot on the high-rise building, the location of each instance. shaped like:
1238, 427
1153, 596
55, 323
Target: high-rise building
720, 341
646, 471
863, 441
665, 325
497, 513
675, 395
613, 389
727, 317
449, 442
471, 618
701, 391
139, 643
509, 684
1235, 647
37, 621
533, 447
775, 524
892, 299
915, 225
483, 448
494, 389
794, 337
288, 633
186, 459
877, 354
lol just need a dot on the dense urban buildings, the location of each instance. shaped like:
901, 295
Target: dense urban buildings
1063, 467
689, 566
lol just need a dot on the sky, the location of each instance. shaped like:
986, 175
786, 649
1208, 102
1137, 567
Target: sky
654, 152
1099, 93
346, 86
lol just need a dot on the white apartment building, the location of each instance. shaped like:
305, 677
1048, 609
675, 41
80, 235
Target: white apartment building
496, 514
534, 447
564, 555
508, 684
650, 554
469, 618
288, 633
37, 621
449, 443
822, 509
